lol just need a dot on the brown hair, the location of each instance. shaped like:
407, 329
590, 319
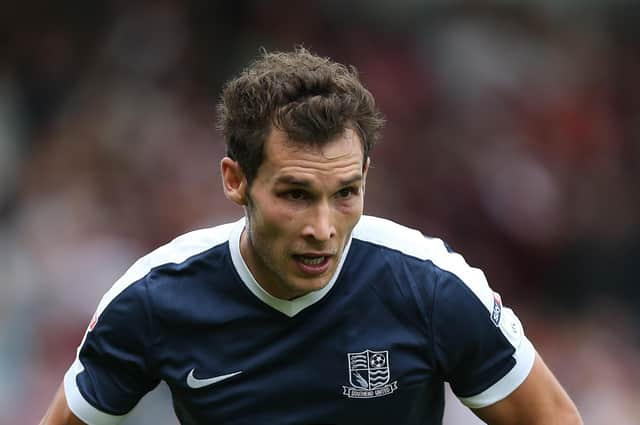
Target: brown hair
312, 99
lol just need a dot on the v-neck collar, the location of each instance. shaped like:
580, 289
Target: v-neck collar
287, 307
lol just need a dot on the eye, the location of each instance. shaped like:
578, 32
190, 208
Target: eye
346, 192
295, 195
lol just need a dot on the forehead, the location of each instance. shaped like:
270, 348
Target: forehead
338, 157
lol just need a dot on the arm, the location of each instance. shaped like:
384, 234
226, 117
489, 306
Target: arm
480, 348
538, 400
59, 413
110, 373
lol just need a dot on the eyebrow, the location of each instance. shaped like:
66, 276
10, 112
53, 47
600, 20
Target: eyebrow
295, 181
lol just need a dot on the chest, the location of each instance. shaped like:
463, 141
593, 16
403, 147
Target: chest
358, 361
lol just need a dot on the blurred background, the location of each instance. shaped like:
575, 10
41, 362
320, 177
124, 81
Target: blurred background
513, 133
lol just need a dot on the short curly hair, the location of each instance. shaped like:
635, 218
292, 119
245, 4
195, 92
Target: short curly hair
311, 98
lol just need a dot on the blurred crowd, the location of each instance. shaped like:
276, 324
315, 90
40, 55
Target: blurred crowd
513, 133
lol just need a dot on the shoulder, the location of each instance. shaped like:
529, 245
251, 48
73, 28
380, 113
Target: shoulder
182, 248
409, 242
387, 233
437, 259
405, 240
177, 252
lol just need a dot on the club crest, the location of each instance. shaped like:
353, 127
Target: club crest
369, 375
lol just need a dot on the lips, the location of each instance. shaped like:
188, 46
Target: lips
312, 264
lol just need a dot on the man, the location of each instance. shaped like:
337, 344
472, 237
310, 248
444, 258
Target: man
305, 311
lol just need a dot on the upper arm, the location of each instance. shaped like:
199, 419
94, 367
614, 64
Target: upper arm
482, 351
112, 370
479, 345
59, 412
538, 400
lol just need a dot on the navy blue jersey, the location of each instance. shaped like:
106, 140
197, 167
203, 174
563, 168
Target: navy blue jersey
401, 316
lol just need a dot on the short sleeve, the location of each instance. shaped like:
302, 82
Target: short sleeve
111, 371
480, 346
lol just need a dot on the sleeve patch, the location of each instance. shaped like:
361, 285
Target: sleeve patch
93, 322
511, 327
497, 309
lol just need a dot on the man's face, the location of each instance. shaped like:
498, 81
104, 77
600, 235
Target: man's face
301, 208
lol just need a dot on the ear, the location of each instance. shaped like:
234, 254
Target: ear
234, 182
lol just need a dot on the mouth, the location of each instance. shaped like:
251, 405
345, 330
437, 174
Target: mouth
312, 264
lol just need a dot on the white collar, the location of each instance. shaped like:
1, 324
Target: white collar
287, 307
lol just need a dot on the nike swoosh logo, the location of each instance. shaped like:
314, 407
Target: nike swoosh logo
194, 382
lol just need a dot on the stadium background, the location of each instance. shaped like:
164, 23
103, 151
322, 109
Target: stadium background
513, 132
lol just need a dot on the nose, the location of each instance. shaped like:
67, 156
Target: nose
320, 225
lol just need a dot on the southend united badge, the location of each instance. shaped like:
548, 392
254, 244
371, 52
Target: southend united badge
369, 375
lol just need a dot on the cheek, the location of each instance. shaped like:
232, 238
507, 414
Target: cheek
349, 213
276, 214
272, 221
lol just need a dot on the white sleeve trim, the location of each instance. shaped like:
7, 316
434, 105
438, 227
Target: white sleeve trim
524, 356
81, 407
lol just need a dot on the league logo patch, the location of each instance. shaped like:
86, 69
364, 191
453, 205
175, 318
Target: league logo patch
93, 322
369, 375
497, 309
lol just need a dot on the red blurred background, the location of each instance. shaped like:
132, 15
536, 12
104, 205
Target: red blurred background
513, 133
